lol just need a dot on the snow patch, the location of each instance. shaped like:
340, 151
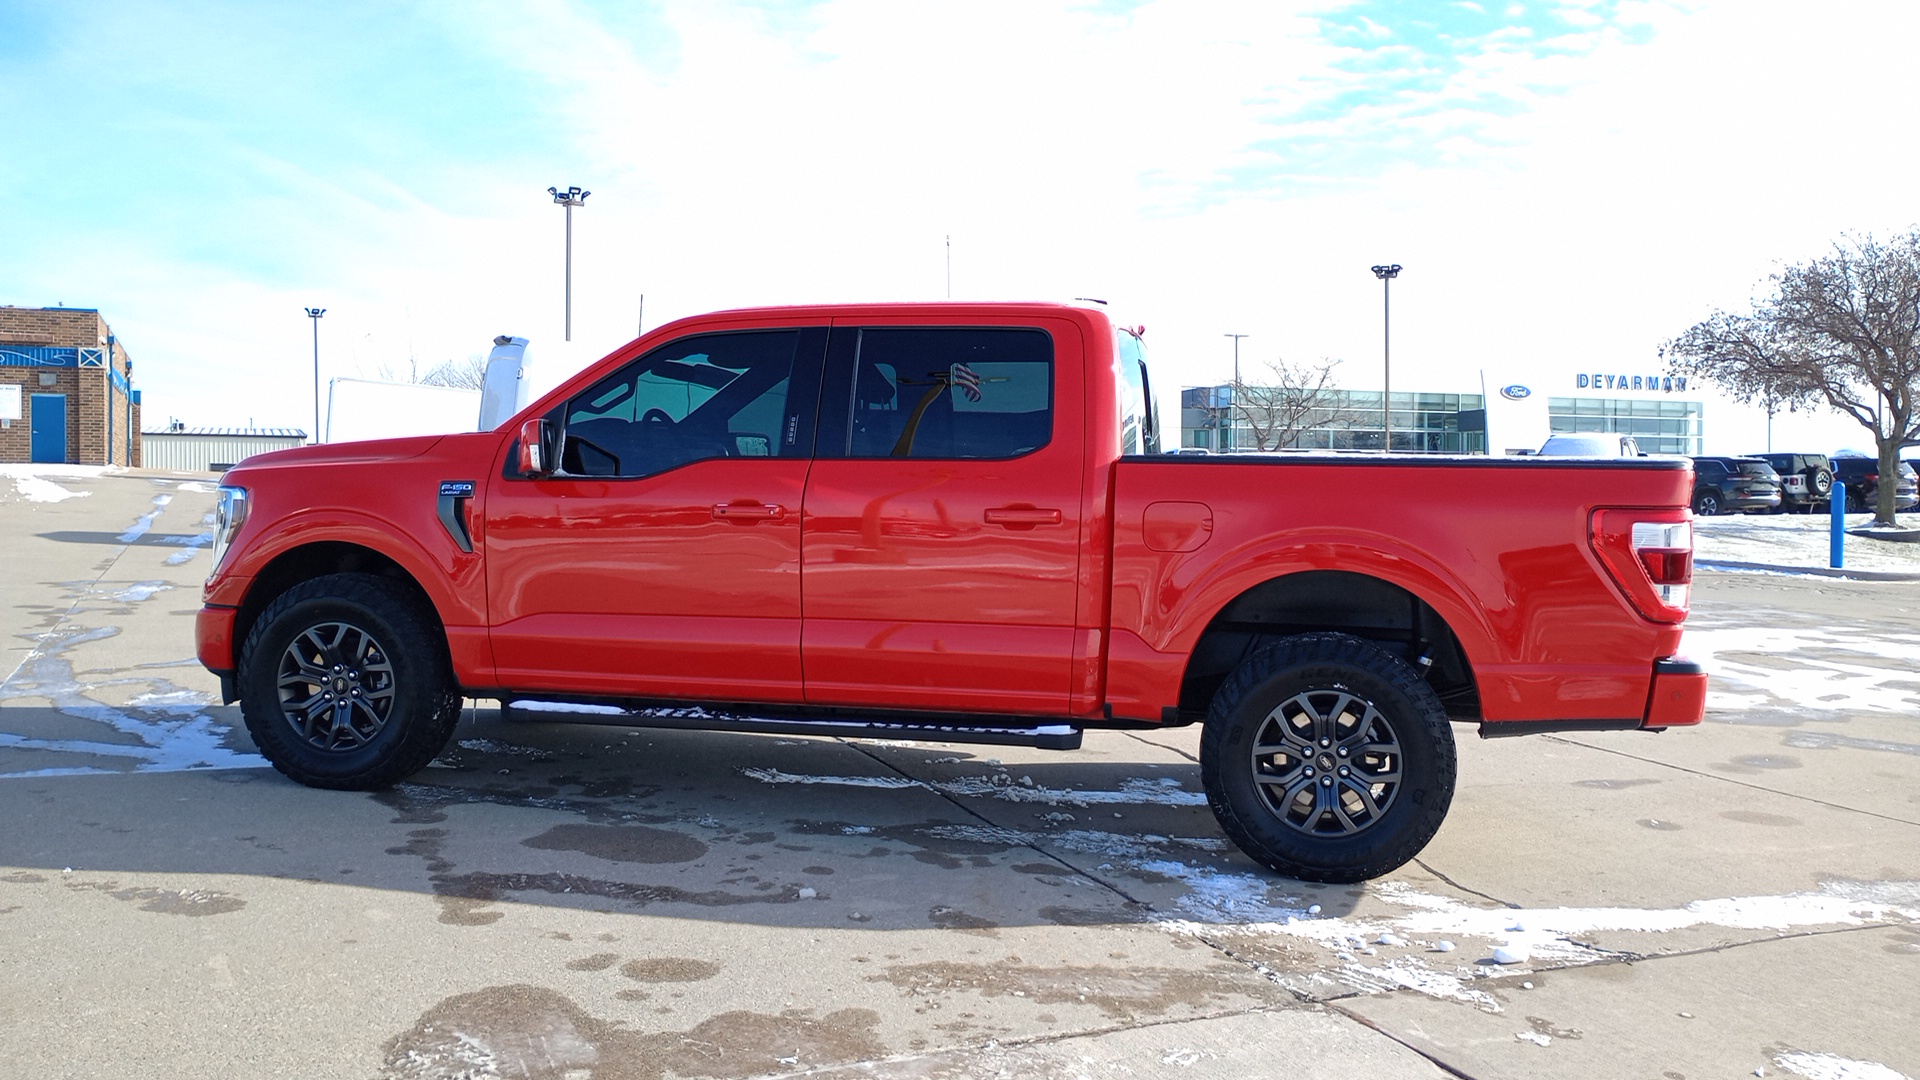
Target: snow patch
1829, 668
191, 544
1834, 1067
139, 528
34, 489
1221, 903
568, 707
1223, 896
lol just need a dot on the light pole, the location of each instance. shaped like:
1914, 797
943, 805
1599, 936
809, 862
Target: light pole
314, 313
1386, 274
1236, 380
569, 198
1236, 355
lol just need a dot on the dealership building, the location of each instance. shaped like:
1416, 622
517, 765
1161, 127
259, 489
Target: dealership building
1507, 416
66, 389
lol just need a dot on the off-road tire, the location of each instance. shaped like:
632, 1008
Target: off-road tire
376, 646
1820, 483
1360, 699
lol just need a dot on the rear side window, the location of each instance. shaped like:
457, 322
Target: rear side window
951, 392
1139, 429
712, 396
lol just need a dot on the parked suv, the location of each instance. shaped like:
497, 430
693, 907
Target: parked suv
1725, 484
1805, 479
1862, 477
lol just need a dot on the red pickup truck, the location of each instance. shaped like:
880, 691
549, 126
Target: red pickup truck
950, 522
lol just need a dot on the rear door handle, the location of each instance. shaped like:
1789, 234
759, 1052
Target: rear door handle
747, 513
1018, 517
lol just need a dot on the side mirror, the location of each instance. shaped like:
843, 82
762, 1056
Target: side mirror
534, 437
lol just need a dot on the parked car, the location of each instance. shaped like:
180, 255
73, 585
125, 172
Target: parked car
1590, 444
1861, 474
1805, 479
1724, 485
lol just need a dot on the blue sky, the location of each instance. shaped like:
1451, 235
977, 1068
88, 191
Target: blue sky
1568, 184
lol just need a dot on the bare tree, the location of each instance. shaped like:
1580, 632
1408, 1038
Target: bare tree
468, 374
1843, 330
1282, 406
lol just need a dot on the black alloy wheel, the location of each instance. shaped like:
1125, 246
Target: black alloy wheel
336, 686
1327, 758
345, 683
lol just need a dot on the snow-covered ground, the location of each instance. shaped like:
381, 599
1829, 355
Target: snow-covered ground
1801, 540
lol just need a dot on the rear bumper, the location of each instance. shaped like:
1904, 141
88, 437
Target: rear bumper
1676, 698
1679, 694
1751, 502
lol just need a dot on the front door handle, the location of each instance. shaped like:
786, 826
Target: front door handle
748, 513
1022, 517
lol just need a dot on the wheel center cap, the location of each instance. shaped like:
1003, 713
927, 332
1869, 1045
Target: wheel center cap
339, 686
1326, 761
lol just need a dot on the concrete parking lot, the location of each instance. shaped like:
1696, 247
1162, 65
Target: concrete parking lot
559, 900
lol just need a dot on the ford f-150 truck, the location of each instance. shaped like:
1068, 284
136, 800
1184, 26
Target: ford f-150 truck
950, 522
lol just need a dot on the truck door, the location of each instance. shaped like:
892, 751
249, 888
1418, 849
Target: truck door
941, 547
664, 558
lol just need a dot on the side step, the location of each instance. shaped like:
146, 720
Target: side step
996, 730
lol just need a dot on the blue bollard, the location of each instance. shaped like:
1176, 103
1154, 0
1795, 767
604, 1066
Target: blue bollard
1837, 509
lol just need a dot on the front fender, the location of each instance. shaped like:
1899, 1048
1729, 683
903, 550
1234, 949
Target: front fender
452, 580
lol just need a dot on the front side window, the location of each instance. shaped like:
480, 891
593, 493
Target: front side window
951, 392
711, 396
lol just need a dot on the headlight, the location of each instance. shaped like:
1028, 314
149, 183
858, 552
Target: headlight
228, 515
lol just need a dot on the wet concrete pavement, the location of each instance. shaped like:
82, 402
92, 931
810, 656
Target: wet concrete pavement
556, 900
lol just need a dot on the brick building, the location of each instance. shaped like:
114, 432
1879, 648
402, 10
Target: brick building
66, 390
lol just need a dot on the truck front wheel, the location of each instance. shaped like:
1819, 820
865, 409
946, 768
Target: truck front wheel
1328, 759
345, 683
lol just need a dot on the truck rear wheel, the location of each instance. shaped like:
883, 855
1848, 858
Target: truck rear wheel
1328, 759
345, 683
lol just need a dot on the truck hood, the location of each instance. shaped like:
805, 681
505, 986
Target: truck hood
345, 453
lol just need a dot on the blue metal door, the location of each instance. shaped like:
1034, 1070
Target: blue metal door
50, 428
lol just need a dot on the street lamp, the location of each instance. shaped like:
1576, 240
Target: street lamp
569, 198
1236, 355
1236, 381
314, 313
1386, 274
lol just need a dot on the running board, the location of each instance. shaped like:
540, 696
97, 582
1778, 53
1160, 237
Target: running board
998, 731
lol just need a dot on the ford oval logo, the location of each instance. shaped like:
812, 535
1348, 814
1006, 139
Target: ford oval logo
1516, 392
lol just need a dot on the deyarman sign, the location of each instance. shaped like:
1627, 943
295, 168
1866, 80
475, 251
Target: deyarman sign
1666, 384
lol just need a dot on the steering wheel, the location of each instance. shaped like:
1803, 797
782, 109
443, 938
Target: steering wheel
656, 416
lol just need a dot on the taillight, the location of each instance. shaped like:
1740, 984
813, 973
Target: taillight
1649, 553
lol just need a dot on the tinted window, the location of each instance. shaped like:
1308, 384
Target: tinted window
718, 395
960, 392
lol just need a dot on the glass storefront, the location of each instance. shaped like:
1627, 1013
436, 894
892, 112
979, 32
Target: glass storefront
1332, 420
1660, 426
1277, 419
